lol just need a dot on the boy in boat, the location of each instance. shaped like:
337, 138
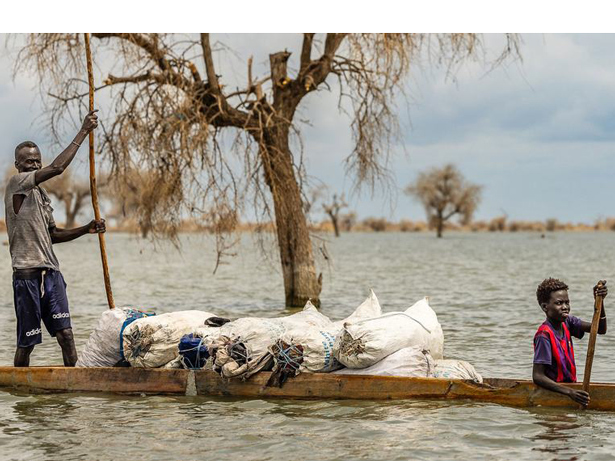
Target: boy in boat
553, 352
39, 290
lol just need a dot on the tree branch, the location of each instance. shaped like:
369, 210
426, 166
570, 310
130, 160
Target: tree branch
157, 55
278, 63
306, 51
212, 78
315, 72
113, 80
332, 43
144, 43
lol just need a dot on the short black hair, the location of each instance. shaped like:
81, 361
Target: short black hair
24, 144
548, 286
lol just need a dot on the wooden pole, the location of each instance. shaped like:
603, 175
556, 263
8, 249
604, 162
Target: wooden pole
93, 192
591, 346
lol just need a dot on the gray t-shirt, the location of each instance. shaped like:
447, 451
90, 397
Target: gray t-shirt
28, 230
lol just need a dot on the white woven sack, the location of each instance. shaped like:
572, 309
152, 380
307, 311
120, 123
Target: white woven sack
410, 362
422, 311
456, 369
317, 343
259, 334
152, 342
103, 346
368, 309
363, 343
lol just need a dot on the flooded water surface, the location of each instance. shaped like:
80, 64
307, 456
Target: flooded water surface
482, 287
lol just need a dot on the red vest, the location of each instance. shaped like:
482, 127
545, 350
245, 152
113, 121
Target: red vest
562, 351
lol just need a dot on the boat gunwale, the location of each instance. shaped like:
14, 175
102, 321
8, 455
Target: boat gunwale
506, 391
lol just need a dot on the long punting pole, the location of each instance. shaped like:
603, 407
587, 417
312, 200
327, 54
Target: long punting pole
591, 347
93, 192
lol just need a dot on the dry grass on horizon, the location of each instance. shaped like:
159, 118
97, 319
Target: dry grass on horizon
499, 224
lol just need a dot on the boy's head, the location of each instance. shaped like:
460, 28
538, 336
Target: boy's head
552, 295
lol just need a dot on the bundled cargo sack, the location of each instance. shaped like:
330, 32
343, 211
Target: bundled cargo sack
368, 309
303, 350
192, 352
242, 346
410, 362
103, 348
361, 344
311, 349
152, 342
456, 369
423, 312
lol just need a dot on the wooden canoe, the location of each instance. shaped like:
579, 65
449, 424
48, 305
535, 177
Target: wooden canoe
518, 393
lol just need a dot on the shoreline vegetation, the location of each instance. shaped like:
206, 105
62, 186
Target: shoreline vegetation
499, 224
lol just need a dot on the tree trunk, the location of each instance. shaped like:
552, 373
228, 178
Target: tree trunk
70, 213
439, 225
298, 269
336, 227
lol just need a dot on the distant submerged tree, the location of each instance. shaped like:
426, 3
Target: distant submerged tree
348, 221
170, 106
333, 211
72, 192
444, 193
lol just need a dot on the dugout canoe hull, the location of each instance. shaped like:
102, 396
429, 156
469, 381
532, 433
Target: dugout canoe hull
519, 393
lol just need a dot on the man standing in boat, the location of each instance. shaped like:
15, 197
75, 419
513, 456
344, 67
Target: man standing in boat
39, 290
553, 352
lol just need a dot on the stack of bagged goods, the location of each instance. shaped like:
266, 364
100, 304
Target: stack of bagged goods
153, 341
456, 369
241, 348
104, 346
363, 343
410, 362
302, 349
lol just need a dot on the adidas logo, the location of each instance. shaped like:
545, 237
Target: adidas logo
36, 331
61, 316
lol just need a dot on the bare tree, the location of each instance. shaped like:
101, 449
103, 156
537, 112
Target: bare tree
170, 108
143, 195
444, 192
71, 192
348, 221
333, 210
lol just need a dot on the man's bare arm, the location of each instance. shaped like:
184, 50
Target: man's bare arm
61, 162
59, 235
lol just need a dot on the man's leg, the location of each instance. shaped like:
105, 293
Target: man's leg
22, 356
27, 309
67, 343
55, 314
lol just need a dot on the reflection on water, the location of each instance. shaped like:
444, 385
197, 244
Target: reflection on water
481, 285
559, 433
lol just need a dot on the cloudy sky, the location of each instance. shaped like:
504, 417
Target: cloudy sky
539, 135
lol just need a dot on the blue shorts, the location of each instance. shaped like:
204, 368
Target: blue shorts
31, 307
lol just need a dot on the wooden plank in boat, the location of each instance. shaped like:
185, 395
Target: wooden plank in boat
324, 386
119, 380
332, 386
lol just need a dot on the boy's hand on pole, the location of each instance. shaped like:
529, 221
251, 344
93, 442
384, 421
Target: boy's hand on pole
578, 396
600, 289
